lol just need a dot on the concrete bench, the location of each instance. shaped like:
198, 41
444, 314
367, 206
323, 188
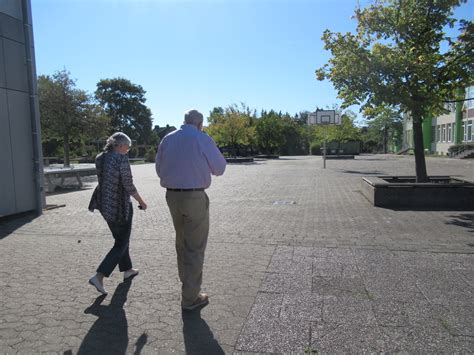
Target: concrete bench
48, 160
67, 172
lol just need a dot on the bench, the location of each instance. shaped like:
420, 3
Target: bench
48, 160
66, 172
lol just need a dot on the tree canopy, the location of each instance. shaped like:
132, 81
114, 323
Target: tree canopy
124, 103
232, 126
239, 129
401, 56
384, 128
68, 113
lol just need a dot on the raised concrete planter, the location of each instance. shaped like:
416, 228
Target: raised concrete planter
346, 156
441, 193
240, 160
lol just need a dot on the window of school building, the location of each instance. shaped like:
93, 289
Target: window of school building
469, 95
468, 131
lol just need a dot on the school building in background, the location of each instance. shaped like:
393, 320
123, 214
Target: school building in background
440, 133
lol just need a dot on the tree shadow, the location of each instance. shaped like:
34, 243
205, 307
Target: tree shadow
10, 224
109, 333
465, 220
198, 337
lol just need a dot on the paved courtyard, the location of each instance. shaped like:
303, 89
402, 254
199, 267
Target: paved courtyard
297, 261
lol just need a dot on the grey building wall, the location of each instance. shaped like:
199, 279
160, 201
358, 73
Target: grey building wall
21, 178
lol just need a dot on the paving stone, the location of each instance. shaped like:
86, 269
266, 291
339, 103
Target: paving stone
288, 266
345, 338
340, 310
274, 336
347, 286
282, 283
458, 319
420, 339
304, 306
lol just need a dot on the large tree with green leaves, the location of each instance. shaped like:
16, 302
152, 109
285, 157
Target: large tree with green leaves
384, 126
270, 130
295, 136
68, 113
401, 56
124, 103
346, 131
232, 126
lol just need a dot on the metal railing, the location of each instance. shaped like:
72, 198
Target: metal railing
455, 151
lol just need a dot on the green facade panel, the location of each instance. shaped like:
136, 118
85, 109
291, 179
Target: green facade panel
427, 122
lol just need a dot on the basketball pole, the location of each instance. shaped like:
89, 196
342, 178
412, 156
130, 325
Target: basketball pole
326, 118
325, 138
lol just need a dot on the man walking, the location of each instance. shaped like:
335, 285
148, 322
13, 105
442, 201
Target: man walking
185, 160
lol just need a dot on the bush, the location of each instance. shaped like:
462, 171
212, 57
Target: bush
316, 148
150, 155
133, 152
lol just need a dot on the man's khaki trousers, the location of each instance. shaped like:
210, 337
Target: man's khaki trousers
190, 213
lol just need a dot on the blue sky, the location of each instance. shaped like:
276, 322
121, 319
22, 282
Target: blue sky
197, 54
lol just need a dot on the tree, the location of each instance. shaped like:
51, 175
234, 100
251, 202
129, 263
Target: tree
124, 103
270, 132
67, 113
346, 131
384, 126
232, 126
395, 59
295, 135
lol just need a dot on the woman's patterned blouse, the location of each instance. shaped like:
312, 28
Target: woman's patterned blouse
112, 195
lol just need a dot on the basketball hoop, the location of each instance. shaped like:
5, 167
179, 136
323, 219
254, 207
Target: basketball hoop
324, 118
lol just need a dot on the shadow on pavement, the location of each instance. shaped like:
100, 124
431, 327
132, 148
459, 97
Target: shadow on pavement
109, 333
423, 209
465, 220
9, 224
198, 337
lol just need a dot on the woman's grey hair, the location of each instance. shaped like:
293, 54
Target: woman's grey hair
193, 117
117, 139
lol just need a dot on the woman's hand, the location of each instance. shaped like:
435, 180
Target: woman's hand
141, 204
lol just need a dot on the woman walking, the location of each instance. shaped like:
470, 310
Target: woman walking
112, 198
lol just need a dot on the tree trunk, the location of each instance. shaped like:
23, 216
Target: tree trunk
66, 150
420, 164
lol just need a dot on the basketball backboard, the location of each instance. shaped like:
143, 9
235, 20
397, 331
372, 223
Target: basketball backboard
324, 117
